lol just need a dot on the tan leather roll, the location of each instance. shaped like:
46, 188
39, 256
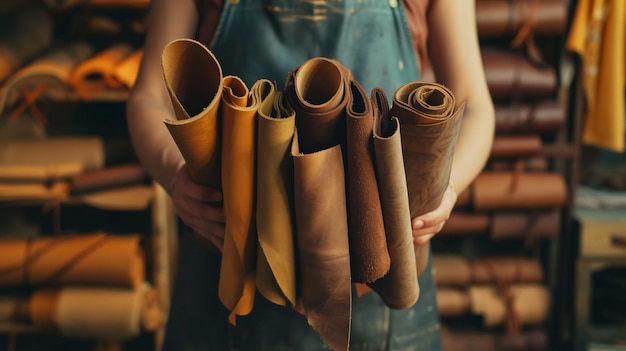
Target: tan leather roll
87, 259
430, 119
88, 151
531, 224
194, 82
322, 242
507, 190
369, 255
96, 73
107, 178
451, 270
452, 302
126, 70
466, 223
276, 268
239, 115
399, 288
516, 146
42, 308
506, 270
39, 173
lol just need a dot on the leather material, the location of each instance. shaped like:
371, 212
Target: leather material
498, 18
239, 115
452, 302
106, 178
529, 164
512, 146
512, 76
531, 225
453, 270
535, 339
399, 288
317, 92
369, 255
461, 222
540, 117
430, 119
276, 266
196, 96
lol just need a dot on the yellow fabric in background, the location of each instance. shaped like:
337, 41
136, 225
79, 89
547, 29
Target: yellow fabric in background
598, 36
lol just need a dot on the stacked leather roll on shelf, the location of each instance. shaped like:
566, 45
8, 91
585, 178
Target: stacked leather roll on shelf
339, 154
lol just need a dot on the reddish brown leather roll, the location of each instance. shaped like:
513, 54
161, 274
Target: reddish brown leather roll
510, 75
540, 117
509, 146
430, 119
528, 224
532, 164
466, 223
369, 256
498, 18
506, 190
107, 178
399, 288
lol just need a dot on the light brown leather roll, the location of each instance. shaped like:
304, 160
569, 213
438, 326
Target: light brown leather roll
276, 267
369, 255
532, 224
12, 191
505, 190
126, 70
25, 34
399, 288
194, 81
452, 302
531, 164
466, 223
322, 241
39, 173
239, 116
106, 178
510, 146
430, 119
88, 151
451, 270
87, 259
506, 270
9, 308
52, 69
497, 18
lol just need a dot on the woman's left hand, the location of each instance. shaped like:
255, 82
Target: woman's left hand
431, 223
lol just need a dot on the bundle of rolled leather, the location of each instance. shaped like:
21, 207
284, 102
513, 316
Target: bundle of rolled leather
345, 189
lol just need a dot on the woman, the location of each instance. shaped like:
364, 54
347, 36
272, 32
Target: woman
385, 44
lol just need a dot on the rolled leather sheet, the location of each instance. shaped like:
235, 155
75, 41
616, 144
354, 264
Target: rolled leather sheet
96, 73
239, 256
473, 340
369, 255
512, 76
276, 266
399, 288
194, 82
12, 191
126, 70
452, 302
506, 270
539, 117
466, 223
514, 146
96, 312
451, 270
52, 69
531, 224
498, 18
529, 305
107, 178
509, 190
39, 173
317, 93
530, 164
88, 151
86, 259
25, 35
430, 119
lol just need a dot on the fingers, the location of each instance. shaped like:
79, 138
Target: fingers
196, 191
431, 223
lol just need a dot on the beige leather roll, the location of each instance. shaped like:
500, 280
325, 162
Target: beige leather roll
88, 151
194, 82
39, 173
451, 270
452, 302
276, 267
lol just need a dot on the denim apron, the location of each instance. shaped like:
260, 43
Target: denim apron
266, 39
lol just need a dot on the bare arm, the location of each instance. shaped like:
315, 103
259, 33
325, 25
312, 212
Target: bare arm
455, 54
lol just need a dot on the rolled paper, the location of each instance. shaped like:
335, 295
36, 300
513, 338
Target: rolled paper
430, 120
506, 270
127, 69
276, 267
95, 74
540, 117
530, 224
39, 173
399, 288
52, 70
508, 190
88, 151
27, 34
466, 223
194, 82
107, 178
510, 75
452, 302
451, 270
239, 115
87, 259
510, 146
498, 18
369, 255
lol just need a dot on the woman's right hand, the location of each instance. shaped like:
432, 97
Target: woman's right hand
199, 207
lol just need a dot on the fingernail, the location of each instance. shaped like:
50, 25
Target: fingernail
418, 224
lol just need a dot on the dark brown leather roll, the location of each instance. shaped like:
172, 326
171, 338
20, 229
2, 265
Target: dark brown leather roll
512, 76
531, 164
508, 146
498, 18
541, 117
466, 223
399, 288
508, 190
369, 256
430, 119
528, 224
107, 178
